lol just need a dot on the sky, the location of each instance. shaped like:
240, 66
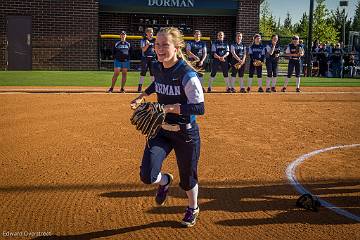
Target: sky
296, 8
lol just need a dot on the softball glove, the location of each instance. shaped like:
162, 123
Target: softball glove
238, 65
257, 63
148, 118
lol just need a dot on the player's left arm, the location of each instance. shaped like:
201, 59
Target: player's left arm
188, 51
227, 52
263, 54
244, 57
194, 94
204, 54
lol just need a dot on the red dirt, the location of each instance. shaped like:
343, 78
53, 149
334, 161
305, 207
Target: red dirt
70, 166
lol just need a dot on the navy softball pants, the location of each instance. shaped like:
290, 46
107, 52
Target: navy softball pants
239, 71
224, 67
186, 144
293, 63
271, 67
146, 63
252, 70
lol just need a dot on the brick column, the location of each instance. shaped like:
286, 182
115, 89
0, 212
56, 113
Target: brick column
247, 18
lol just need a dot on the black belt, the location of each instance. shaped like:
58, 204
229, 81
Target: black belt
175, 127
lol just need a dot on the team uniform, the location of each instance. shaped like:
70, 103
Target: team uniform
198, 48
121, 52
240, 50
176, 85
294, 63
221, 48
148, 58
336, 61
256, 52
272, 62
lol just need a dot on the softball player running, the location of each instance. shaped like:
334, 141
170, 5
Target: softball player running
272, 61
294, 51
220, 51
196, 50
148, 57
257, 55
238, 51
121, 61
178, 87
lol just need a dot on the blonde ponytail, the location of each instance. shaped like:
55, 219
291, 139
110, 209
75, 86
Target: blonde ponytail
178, 41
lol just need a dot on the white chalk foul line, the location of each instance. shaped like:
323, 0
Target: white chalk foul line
290, 173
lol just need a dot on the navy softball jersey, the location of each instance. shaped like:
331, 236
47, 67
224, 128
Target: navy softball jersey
121, 51
148, 57
256, 52
294, 62
272, 60
198, 48
178, 84
150, 52
220, 48
240, 51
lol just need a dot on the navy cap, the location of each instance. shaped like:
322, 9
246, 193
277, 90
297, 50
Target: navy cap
123, 32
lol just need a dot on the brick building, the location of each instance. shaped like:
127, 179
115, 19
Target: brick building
64, 34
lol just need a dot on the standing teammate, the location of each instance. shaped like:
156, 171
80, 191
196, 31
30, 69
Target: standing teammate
294, 51
121, 61
336, 57
238, 51
220, 51
148, 57
257, 55
196, 50
272, 61
178, 87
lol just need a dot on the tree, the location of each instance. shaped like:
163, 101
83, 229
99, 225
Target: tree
287, 29
267, 20
337, 20
287, 21
302, 28
323, 31
356, 22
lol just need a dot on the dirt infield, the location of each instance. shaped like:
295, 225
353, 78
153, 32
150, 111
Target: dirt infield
70, 166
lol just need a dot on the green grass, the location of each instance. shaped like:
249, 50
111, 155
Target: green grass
103, 79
